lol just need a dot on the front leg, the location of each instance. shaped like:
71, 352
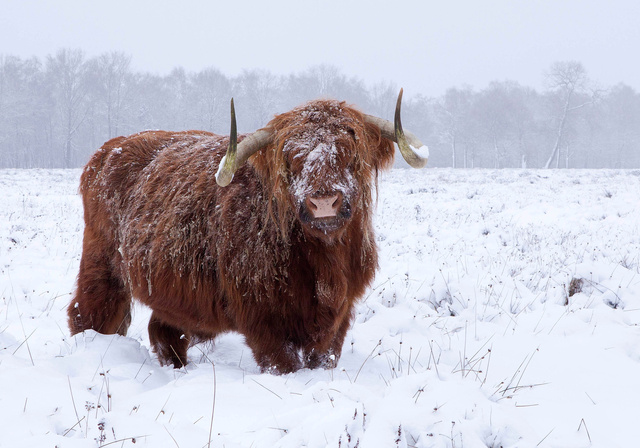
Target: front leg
169, 343
326, 351
328, 359
274, 354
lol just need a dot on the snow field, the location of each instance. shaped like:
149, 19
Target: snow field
468, 337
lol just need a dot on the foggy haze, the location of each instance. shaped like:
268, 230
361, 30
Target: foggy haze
426, 47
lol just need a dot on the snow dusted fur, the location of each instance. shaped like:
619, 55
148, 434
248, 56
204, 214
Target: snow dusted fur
249, 257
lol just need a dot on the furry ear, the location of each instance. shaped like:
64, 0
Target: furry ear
382, 149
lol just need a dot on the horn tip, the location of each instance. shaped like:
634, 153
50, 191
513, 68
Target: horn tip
223, 176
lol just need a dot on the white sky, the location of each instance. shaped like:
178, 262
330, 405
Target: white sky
425, 46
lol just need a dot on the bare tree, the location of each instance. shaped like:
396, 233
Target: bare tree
623, 126
503, 114
452, 113
259, 98
209, 93
566, 80
113, 70
24, 107
383, 96
67, 71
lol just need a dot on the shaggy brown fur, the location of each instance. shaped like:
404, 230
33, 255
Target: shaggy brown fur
249, 257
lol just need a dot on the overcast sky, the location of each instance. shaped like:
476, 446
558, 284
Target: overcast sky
425, 46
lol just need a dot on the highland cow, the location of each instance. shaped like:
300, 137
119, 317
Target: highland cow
269, 235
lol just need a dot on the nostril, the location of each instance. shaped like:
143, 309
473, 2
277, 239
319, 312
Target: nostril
326, 206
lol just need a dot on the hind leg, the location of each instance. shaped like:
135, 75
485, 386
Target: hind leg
101, 302
169, 343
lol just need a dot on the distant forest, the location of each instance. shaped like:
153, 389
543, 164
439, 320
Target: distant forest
56, 112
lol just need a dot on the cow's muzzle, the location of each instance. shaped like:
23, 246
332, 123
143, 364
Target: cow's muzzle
324, 206
326, 213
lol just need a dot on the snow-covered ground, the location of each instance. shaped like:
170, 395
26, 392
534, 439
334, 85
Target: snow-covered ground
505, 313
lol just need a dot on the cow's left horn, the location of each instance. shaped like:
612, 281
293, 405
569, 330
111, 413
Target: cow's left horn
408, 144
238, 153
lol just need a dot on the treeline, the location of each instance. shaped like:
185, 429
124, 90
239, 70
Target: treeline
56, 112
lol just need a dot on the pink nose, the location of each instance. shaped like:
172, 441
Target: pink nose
326, 206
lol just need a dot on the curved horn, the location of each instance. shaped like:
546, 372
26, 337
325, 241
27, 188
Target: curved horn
408, 144
237, 154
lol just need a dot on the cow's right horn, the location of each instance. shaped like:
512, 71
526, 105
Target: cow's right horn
238, 153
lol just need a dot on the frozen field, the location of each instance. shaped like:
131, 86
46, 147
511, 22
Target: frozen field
505, 313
